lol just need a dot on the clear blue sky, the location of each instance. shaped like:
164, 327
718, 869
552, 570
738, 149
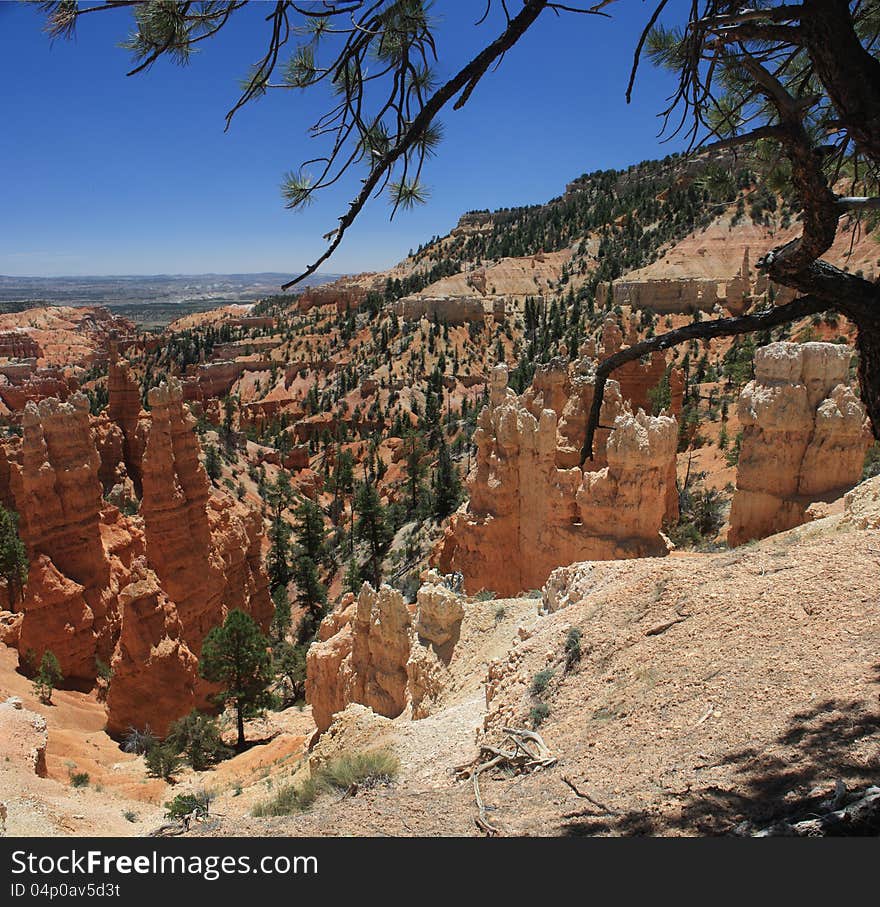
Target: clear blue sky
103, 174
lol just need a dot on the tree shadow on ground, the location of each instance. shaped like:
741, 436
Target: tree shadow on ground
835, 740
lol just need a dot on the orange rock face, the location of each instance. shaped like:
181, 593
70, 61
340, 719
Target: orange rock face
137, 592
376, 653
56, 490
528, 515
804, 437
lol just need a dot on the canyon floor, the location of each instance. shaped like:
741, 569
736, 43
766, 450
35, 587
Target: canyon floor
712, 689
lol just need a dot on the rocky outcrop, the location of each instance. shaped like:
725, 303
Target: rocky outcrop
451, 309
533, 508
439, 611
142, 591
204, 549
804, 437
155, 673
18, 389
54, 482
374, 653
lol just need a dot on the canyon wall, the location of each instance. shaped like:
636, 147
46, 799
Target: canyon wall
532, 507
138, 593
804, 437
381, 653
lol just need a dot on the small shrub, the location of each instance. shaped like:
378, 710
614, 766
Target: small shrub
79, 779
365, 769
162, 762
197, 738
572, 648
500, 614
534, 593
130, 816
541, 680
538, 713
484, 595
372, 767
185, 804
285, 801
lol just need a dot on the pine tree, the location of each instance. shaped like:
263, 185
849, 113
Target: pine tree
372, 528
310, 531
278, 558
48, 677
281, 618
447, 491
13, 556
415, 471
353, 580
236, 656
311, 595
213, 466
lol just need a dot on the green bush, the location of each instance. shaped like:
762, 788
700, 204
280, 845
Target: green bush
162, 762
185, 804
79, 779
197, 738
373, 766
48, 677
364, 769
541, 680
538, 713
572, 648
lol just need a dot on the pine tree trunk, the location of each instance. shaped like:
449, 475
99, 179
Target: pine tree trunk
868, 345
240, 709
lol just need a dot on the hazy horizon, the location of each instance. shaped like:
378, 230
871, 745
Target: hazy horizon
110, 176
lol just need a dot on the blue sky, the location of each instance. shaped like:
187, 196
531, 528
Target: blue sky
103, 174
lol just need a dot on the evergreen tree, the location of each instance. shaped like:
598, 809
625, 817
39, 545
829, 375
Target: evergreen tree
311, 595
310, 531
213, 466
278, 558
13, 556
447, 491
372, 528
415, 471
353, 580
281, 618
236, 656
48, 677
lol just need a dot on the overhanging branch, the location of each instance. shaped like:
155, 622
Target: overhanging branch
698, 330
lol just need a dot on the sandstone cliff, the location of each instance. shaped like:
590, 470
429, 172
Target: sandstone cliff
804, 437
141, 592
532, 507
377, 653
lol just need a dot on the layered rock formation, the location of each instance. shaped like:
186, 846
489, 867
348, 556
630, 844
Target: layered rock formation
533, 508
804, 437
139, 593
55, 488
377, 653
451, 309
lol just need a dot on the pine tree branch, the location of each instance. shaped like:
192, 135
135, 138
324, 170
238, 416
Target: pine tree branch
698, 330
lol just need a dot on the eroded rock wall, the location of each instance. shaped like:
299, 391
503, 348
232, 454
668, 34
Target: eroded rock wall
139, 592
380, 653
532, 507
804, 437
